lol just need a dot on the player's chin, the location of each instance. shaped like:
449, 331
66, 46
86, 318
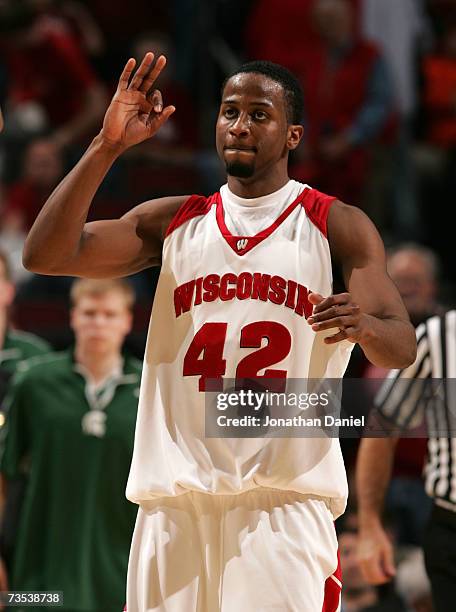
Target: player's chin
98, 341
240, 169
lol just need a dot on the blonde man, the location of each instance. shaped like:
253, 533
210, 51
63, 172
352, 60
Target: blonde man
69, 431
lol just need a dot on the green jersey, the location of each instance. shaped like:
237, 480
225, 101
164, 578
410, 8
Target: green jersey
75, 443
19, 345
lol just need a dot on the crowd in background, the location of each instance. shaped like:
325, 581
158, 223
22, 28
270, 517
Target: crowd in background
379, 81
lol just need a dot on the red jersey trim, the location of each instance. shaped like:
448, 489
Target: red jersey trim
317, 209
315, 204
194, 206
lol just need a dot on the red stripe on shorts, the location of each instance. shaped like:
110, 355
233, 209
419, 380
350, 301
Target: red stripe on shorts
333, 590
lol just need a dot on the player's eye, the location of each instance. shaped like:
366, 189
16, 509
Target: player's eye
230, 113
259, 114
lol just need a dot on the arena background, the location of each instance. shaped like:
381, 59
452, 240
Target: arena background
380, 134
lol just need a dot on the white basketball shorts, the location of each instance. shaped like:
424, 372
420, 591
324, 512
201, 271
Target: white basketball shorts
260, 551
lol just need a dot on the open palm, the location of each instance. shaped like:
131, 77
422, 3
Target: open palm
136, 111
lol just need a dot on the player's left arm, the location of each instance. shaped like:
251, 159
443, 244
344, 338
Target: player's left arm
371, 313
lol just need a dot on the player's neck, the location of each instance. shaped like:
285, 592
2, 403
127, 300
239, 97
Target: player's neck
256, 187
99, 365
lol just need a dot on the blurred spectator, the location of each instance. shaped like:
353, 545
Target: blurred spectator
415, 270
15, 345
281, 31
397, 28
436, 155
440, 92
41, 171
69, 432
347, 104
79, 18
120, 26
400, 30
42, 168
51, 86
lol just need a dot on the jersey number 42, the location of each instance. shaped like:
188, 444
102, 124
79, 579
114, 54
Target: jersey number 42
204, 356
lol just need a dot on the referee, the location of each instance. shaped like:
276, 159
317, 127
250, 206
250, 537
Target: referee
426, 389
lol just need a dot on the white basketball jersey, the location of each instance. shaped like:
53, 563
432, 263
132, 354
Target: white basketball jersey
235, 306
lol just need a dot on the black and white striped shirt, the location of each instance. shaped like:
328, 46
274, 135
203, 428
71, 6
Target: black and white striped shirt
427, 389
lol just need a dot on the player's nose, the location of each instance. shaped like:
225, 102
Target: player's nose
241, 125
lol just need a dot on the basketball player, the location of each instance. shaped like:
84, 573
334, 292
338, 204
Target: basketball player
231, 524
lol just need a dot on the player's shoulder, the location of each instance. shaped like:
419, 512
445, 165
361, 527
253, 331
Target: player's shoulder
132, 365
30, 342
317, 206
40, 367
192, 206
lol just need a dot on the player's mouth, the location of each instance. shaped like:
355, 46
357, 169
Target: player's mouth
240, 149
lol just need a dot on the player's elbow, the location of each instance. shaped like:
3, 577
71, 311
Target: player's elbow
38, 261
30, 259
406, 353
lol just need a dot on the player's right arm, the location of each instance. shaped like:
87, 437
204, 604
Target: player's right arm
60, 241
373, 473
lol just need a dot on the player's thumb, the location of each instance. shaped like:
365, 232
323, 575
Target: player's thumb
315, 298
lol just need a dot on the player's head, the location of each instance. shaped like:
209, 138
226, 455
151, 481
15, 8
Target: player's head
6, 283
259, 119
101, 313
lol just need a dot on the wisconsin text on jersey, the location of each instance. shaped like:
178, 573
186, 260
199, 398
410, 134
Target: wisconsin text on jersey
244, 286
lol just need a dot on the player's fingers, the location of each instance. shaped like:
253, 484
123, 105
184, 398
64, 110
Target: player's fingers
315, 298
142, 71
153, 74
157, 120
333, 312
341, 335
156, 100
349, 333
343, 322
339, 298
126, 73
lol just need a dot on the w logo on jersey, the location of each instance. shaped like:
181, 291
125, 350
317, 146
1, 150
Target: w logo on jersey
242, 243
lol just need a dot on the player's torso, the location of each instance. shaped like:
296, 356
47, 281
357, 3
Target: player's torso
227, 307
237, 306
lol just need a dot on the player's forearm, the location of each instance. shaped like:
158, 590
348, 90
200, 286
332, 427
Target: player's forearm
373, 473
389, 343
55, 236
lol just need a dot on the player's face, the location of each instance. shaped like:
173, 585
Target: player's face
252, 132
101, 322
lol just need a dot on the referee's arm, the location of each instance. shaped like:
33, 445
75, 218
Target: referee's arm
399, 403
373, 473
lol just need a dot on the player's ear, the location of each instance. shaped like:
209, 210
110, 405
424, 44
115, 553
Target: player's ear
295, 133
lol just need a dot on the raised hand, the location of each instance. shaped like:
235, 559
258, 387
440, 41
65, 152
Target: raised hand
136, 111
